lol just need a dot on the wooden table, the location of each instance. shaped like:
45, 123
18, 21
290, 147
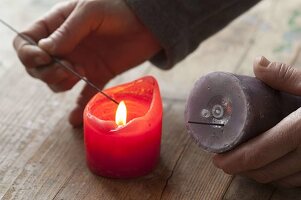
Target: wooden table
42, 157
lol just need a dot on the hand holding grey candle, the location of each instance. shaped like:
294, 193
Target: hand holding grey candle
225, 110
274, 155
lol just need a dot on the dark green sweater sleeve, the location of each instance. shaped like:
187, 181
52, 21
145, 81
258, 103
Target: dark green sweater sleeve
181, 25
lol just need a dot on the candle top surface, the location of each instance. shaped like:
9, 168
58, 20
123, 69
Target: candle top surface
139, 97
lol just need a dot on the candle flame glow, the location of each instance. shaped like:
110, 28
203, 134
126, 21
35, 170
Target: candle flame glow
121, 113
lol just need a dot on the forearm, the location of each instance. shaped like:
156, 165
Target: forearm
181, 25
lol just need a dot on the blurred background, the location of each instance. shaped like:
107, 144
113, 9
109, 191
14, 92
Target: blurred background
272, 28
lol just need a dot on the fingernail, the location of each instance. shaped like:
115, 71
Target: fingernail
264, 62
40, 61
47, 44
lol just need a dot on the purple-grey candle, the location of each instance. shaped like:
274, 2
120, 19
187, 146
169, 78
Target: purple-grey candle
225, 110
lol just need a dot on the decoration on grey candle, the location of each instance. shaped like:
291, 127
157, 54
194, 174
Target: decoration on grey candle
224, 110
205, 123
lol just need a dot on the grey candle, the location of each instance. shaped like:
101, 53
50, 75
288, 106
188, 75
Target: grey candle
225, 110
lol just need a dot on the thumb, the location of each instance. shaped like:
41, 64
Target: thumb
69, 34
278, 75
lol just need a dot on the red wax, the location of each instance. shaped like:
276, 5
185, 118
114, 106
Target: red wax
126, 151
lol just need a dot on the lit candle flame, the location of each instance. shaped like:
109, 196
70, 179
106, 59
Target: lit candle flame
120, 117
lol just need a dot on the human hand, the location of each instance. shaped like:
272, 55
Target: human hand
274, 156
98, 38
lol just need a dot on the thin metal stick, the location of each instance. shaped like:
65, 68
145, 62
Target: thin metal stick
206, 123
58, 61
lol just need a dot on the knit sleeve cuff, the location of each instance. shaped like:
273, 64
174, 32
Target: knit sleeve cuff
151, 13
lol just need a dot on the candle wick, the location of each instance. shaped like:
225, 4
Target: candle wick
58, 61
206, 123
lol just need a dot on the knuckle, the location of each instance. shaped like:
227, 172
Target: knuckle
69, 85
31, 72
24, 56
296, 117
54, 88
262, 177
62, 87
291, 130
62, 31
94, 8
28, 55
66, 87
47, 79
250, 159
228, 171
285, 184
284, 72
246, 159
52, 74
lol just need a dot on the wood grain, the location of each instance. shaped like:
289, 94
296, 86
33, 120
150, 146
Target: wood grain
246, 189
42, 157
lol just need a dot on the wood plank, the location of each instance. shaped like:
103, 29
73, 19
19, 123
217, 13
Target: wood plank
42, 157
29, 119
46, 172
195, 177
245, 189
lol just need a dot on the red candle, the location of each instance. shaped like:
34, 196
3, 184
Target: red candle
124, 149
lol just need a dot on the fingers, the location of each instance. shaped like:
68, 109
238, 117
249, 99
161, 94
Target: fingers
58, 15
32, 56
268, 147
76, 116
64, 85
278, 75
38, 62
56, 76
50, 74
47, 24
290, 181
39, 65
69, 34
283, 167
274, 155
